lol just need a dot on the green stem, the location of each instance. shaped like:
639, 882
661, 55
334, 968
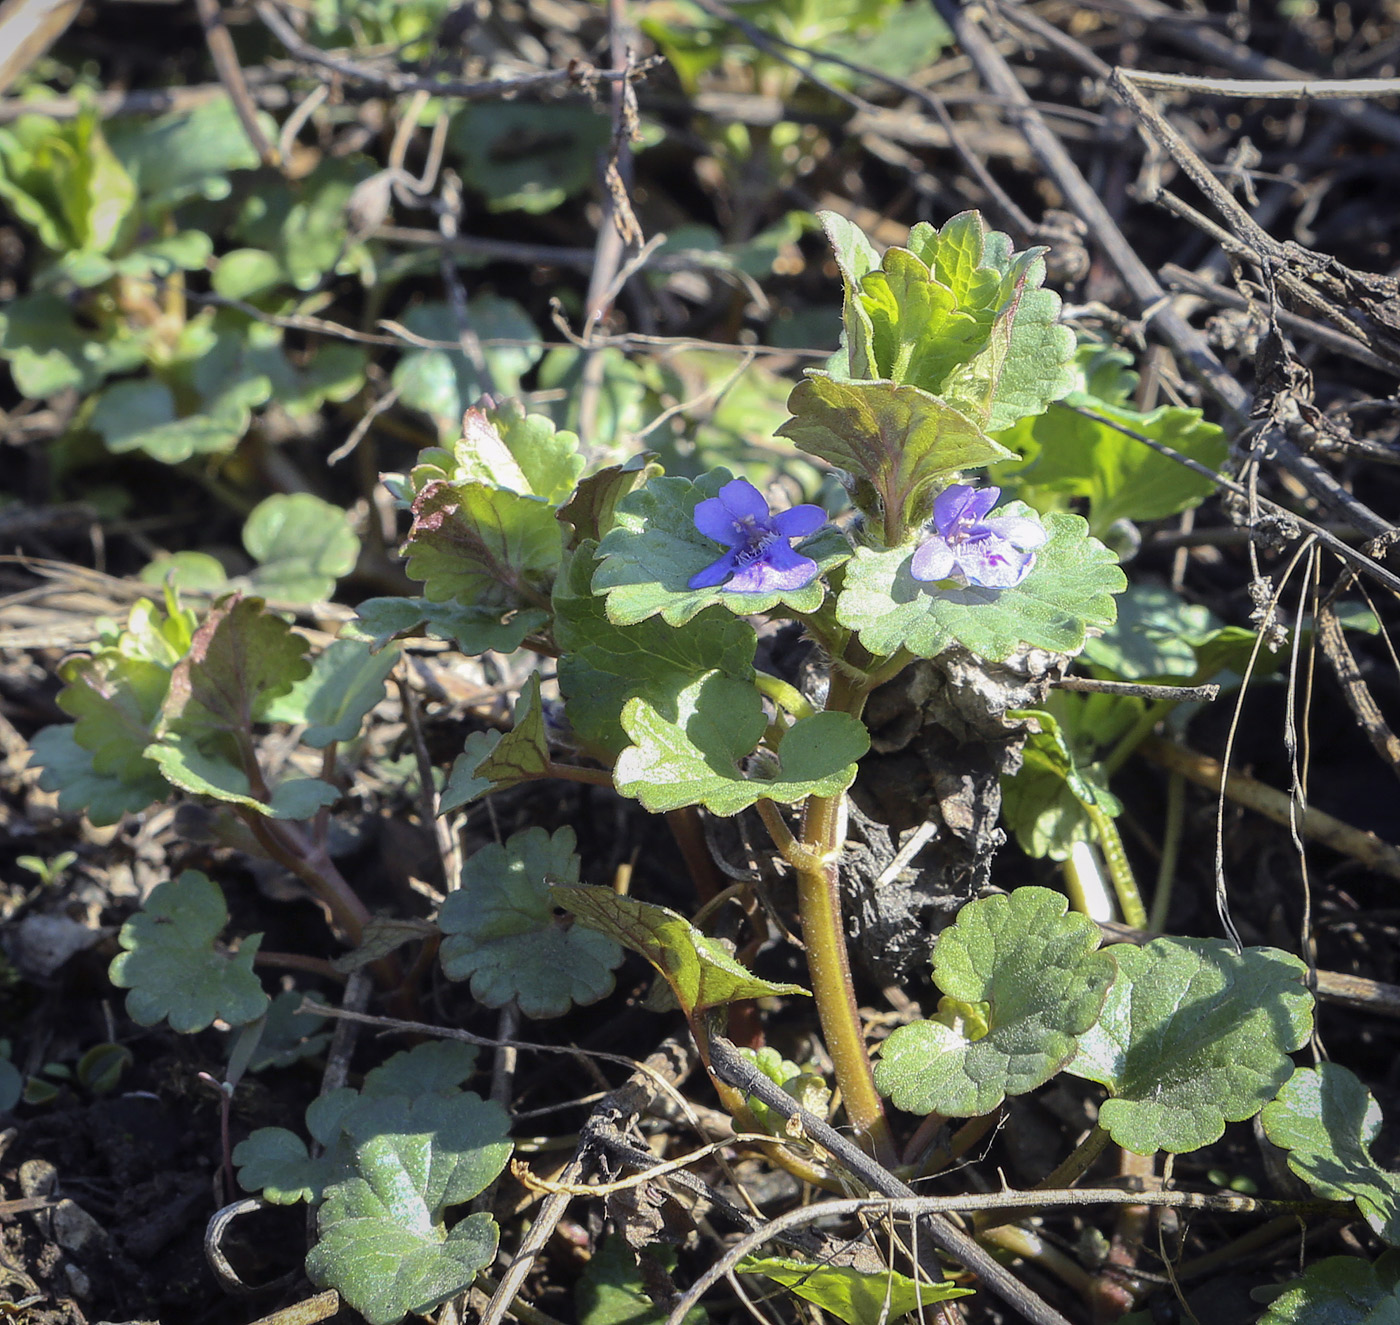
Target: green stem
1134, 736
1171, 850
596, 777
1119, 870
787, 697
817, 864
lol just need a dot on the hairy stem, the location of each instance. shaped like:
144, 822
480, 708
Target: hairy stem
1119, 870
817, 864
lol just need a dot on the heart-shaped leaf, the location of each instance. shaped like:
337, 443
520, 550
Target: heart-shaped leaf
170, 964
1021, 980
649, 557
1069, 589
1341, 1290
698, 757
503, 933
603, 665
303, 546
1193, 1035
1326, 1120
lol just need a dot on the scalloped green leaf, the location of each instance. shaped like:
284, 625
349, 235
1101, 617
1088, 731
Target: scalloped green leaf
289, 1034
905, 442
345, 682
483, 546
808, 1088
67, 769
699, 756
1326, 1120
1021, 981
503, 935
504, 447
433, 1067
303, 546
115, 700
170, 965
700, 972
592, 510
495, 760
471, 629
241, 658
859, 1297
1341, 1290
603, 665
384, 1244
277, 1163
649, 557
1193, 1035
1069, 589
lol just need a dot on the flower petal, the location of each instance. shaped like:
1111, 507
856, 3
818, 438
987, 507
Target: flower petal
799, 521
780, 569
962, 503
714, 521
934, 560
1018, 529
744, 501
715, 573
994, 563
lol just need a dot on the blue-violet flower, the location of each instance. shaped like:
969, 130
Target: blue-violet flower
967, 546
760, 557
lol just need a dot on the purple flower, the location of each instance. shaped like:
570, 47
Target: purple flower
760, 556
968, 547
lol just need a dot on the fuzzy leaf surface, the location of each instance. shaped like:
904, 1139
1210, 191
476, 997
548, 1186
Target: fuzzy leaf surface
653, 551
116, 700
170, 965
1021, 980
1193, 1036
502, 933
504, 447
1326, 1120
241, 658
494, 760
67, 769
303, 546
904, 441
481, 545
699, 970
346, 681
603, 665
697, 758
383, 1244
592, 510
1341, 1290
858, 1297
1069, 589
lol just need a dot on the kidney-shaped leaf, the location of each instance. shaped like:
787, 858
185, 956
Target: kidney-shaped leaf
654, 549
502, 933
698, 757
1326, 1120
1021, 980
302, 544
700, 972
170, 965
1193, 1035
346, 681
1341, 1290
1069, 588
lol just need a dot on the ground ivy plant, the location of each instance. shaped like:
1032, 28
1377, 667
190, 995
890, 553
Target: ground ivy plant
644, 594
